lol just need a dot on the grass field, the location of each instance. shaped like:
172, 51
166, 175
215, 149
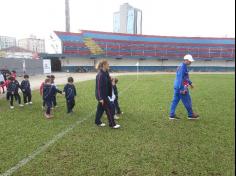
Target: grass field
148, 144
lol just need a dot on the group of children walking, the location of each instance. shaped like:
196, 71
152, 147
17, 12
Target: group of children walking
108, 101
48, 91
12, 89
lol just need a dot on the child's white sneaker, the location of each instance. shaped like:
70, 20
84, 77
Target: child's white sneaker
31, 103
12, 107
26, 103
102, 125
47, 116
121, 113
116, 117
21, 105
116, 127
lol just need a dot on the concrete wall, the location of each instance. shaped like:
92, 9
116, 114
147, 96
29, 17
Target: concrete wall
77, 62
32, 67
132, 62
72, 64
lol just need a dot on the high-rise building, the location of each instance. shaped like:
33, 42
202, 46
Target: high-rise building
7, 42
127, 20
32, 44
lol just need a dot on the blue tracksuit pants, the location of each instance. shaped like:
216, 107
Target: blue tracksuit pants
185, 98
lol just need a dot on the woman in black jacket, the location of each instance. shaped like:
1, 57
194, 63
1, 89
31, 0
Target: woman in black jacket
102, 91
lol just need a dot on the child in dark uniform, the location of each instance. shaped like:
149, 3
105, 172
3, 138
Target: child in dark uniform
112, 98
7, 82
49, 92
13, 92
116, 101
54, 99
25, 86
70, 93
41, 91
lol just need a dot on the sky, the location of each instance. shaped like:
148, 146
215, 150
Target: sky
196, 18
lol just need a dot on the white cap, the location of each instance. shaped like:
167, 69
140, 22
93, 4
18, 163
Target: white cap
189, 58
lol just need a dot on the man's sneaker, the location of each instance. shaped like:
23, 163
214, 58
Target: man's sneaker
194, 117
12, 107
102, 125
26, 103
21, 105
173, 117
116, 126
30, 103
116, 117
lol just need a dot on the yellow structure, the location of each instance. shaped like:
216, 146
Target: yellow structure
93, 46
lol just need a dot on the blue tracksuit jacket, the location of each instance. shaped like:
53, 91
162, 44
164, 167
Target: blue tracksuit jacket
13, 86
49, 91
25, 86
181, 76
70, 91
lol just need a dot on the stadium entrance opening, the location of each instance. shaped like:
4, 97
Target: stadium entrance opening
56, 64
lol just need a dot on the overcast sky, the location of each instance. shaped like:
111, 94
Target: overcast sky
212, 18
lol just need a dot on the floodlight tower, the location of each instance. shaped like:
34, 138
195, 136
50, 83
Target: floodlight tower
67, 11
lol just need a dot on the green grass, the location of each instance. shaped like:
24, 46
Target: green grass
148, 144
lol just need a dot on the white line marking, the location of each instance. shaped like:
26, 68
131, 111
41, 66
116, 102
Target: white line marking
51, 142
42, 148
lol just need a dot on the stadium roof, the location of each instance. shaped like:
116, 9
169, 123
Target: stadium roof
136, 35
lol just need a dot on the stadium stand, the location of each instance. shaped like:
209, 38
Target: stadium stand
153, 52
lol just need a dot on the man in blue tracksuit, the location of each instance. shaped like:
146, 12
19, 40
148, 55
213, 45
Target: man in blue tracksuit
103, 91
180, 90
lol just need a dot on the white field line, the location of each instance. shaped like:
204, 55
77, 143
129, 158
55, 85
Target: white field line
41, 149
51, 142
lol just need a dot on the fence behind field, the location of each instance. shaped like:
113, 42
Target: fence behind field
21, 66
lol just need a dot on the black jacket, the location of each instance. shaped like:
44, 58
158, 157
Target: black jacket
13, 86
25, 86
49, 91
103, 86
116, 91
70, 91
